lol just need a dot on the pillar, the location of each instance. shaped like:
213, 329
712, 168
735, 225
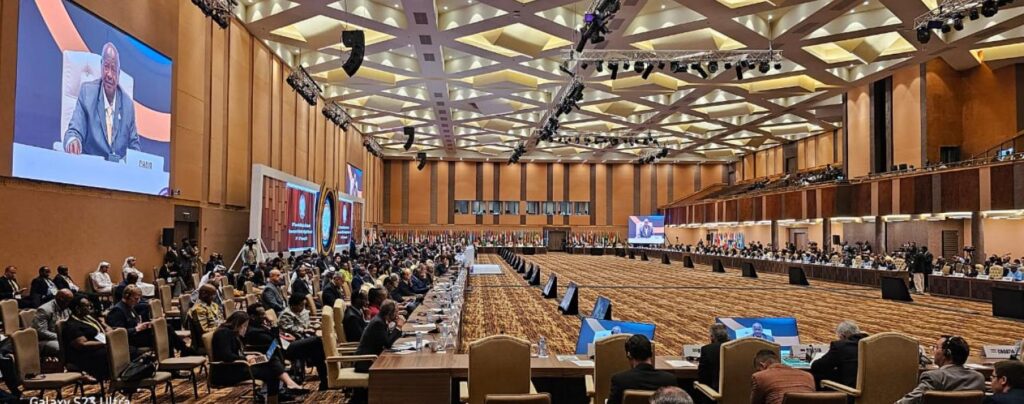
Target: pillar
826, 235
978, 237
775, 235
880, 234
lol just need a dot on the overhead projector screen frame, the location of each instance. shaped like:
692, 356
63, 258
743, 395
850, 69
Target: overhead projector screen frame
259, 171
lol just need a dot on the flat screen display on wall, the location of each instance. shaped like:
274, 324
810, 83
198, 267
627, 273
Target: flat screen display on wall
647, 229
354, 181
92, 104
289, 214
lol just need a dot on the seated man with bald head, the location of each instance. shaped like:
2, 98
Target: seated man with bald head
45, 321
272, 297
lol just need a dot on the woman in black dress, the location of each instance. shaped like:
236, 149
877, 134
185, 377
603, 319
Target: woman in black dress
227, 349
85, 339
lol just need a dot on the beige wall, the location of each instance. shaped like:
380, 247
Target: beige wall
858, 109
906, 116
231, 109
1003, 237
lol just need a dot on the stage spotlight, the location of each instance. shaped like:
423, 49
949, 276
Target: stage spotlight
728, 66
583, 65
739, 73
958, 23
700, 70
600, 66
973, 14
946, 28
614, 67
778, 66
923, 34
638, 67
625, 65
356, 41
744, 64
712, 67
674, 66
763, 67
989, 8
647, 71
661, 65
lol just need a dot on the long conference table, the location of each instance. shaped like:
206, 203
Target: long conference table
520, 249
949, 286
432, 377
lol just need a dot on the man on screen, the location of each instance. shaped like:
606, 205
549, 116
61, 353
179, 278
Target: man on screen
103, 123
758, 332
646, 229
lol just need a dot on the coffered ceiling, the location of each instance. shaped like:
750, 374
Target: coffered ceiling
476, 77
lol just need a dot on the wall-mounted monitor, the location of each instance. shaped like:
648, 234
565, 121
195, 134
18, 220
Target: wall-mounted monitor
283, 211
602, 308
92, 104
593, 329
354, 182
780, 330
647, 229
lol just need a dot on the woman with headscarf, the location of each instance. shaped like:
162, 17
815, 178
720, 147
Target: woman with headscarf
148, 290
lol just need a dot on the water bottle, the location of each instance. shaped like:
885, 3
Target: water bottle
542, 347
419, 341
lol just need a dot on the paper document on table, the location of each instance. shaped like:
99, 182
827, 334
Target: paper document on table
404, 352
584, 363
680, 364
424, 327
976, 366
563, 358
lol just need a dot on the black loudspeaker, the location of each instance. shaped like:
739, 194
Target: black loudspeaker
835, 239
716, 266
632, 255
410, 135
535, 279
664, 258
167, 237
687, 261
1007, 303
643, 255
798, 277
895, 288
570, 304
748, 270
355, 40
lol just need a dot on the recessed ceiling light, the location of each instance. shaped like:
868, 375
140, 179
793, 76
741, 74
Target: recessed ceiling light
662, 6
445, 8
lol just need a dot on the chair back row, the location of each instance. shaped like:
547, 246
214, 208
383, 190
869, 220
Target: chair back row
9, 314
498, 364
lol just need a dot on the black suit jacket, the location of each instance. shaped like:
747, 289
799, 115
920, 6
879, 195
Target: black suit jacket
708, 365
8, 288
330, 294
299, 287
839, 363
40, 291
642, 377
353, 324
375, 339
1014, 396
405, 289
122, 316
61, 282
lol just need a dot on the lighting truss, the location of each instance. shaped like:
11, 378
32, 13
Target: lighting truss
218, 10
947, 10
304, 84
333, 112
587, 138
770, 56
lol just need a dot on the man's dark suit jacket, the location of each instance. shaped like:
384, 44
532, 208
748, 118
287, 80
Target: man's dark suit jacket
839, 363
405, 289
642, 377
40, 291
375, 339
330, 294
708, 365
1014, 396
122, 316
7, 288
62, 282
353, 324
299, 287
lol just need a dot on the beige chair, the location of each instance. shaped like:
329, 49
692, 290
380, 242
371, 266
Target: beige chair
340, 368
26, 317
499, 364
229, 307
995, 272
887, 369
540, 398
737, 365
242, 364
251, 299
946, 270
953, 397
26, 358
165, 301
271, 316
609, 359
171, 364
814, 398
250, 289
637, 396
119, 358
339, 326
9, 314
196, 279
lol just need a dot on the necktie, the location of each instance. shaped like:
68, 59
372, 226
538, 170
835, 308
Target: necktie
110, 126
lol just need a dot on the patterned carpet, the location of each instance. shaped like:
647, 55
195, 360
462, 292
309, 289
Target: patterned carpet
683, 302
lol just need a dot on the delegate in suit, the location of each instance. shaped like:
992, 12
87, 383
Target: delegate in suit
103, 123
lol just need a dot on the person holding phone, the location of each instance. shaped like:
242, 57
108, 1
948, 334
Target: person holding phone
229, 369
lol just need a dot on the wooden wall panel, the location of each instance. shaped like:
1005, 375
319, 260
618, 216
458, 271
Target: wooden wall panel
922, 194
288, 129
811, 202
396, 191
793, 205
190, 106
261, 100
239, 118
601, 190
906, 116
579, 182
884, 198
859, 131
218, 114
276, 105
1002, 187
960, 191
623, 190
773, 207
419, 194
664, 171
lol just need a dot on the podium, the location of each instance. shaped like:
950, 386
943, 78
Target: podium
895, 288
798, 277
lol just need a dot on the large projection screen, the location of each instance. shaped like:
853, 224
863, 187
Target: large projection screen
92, 104
283, 210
